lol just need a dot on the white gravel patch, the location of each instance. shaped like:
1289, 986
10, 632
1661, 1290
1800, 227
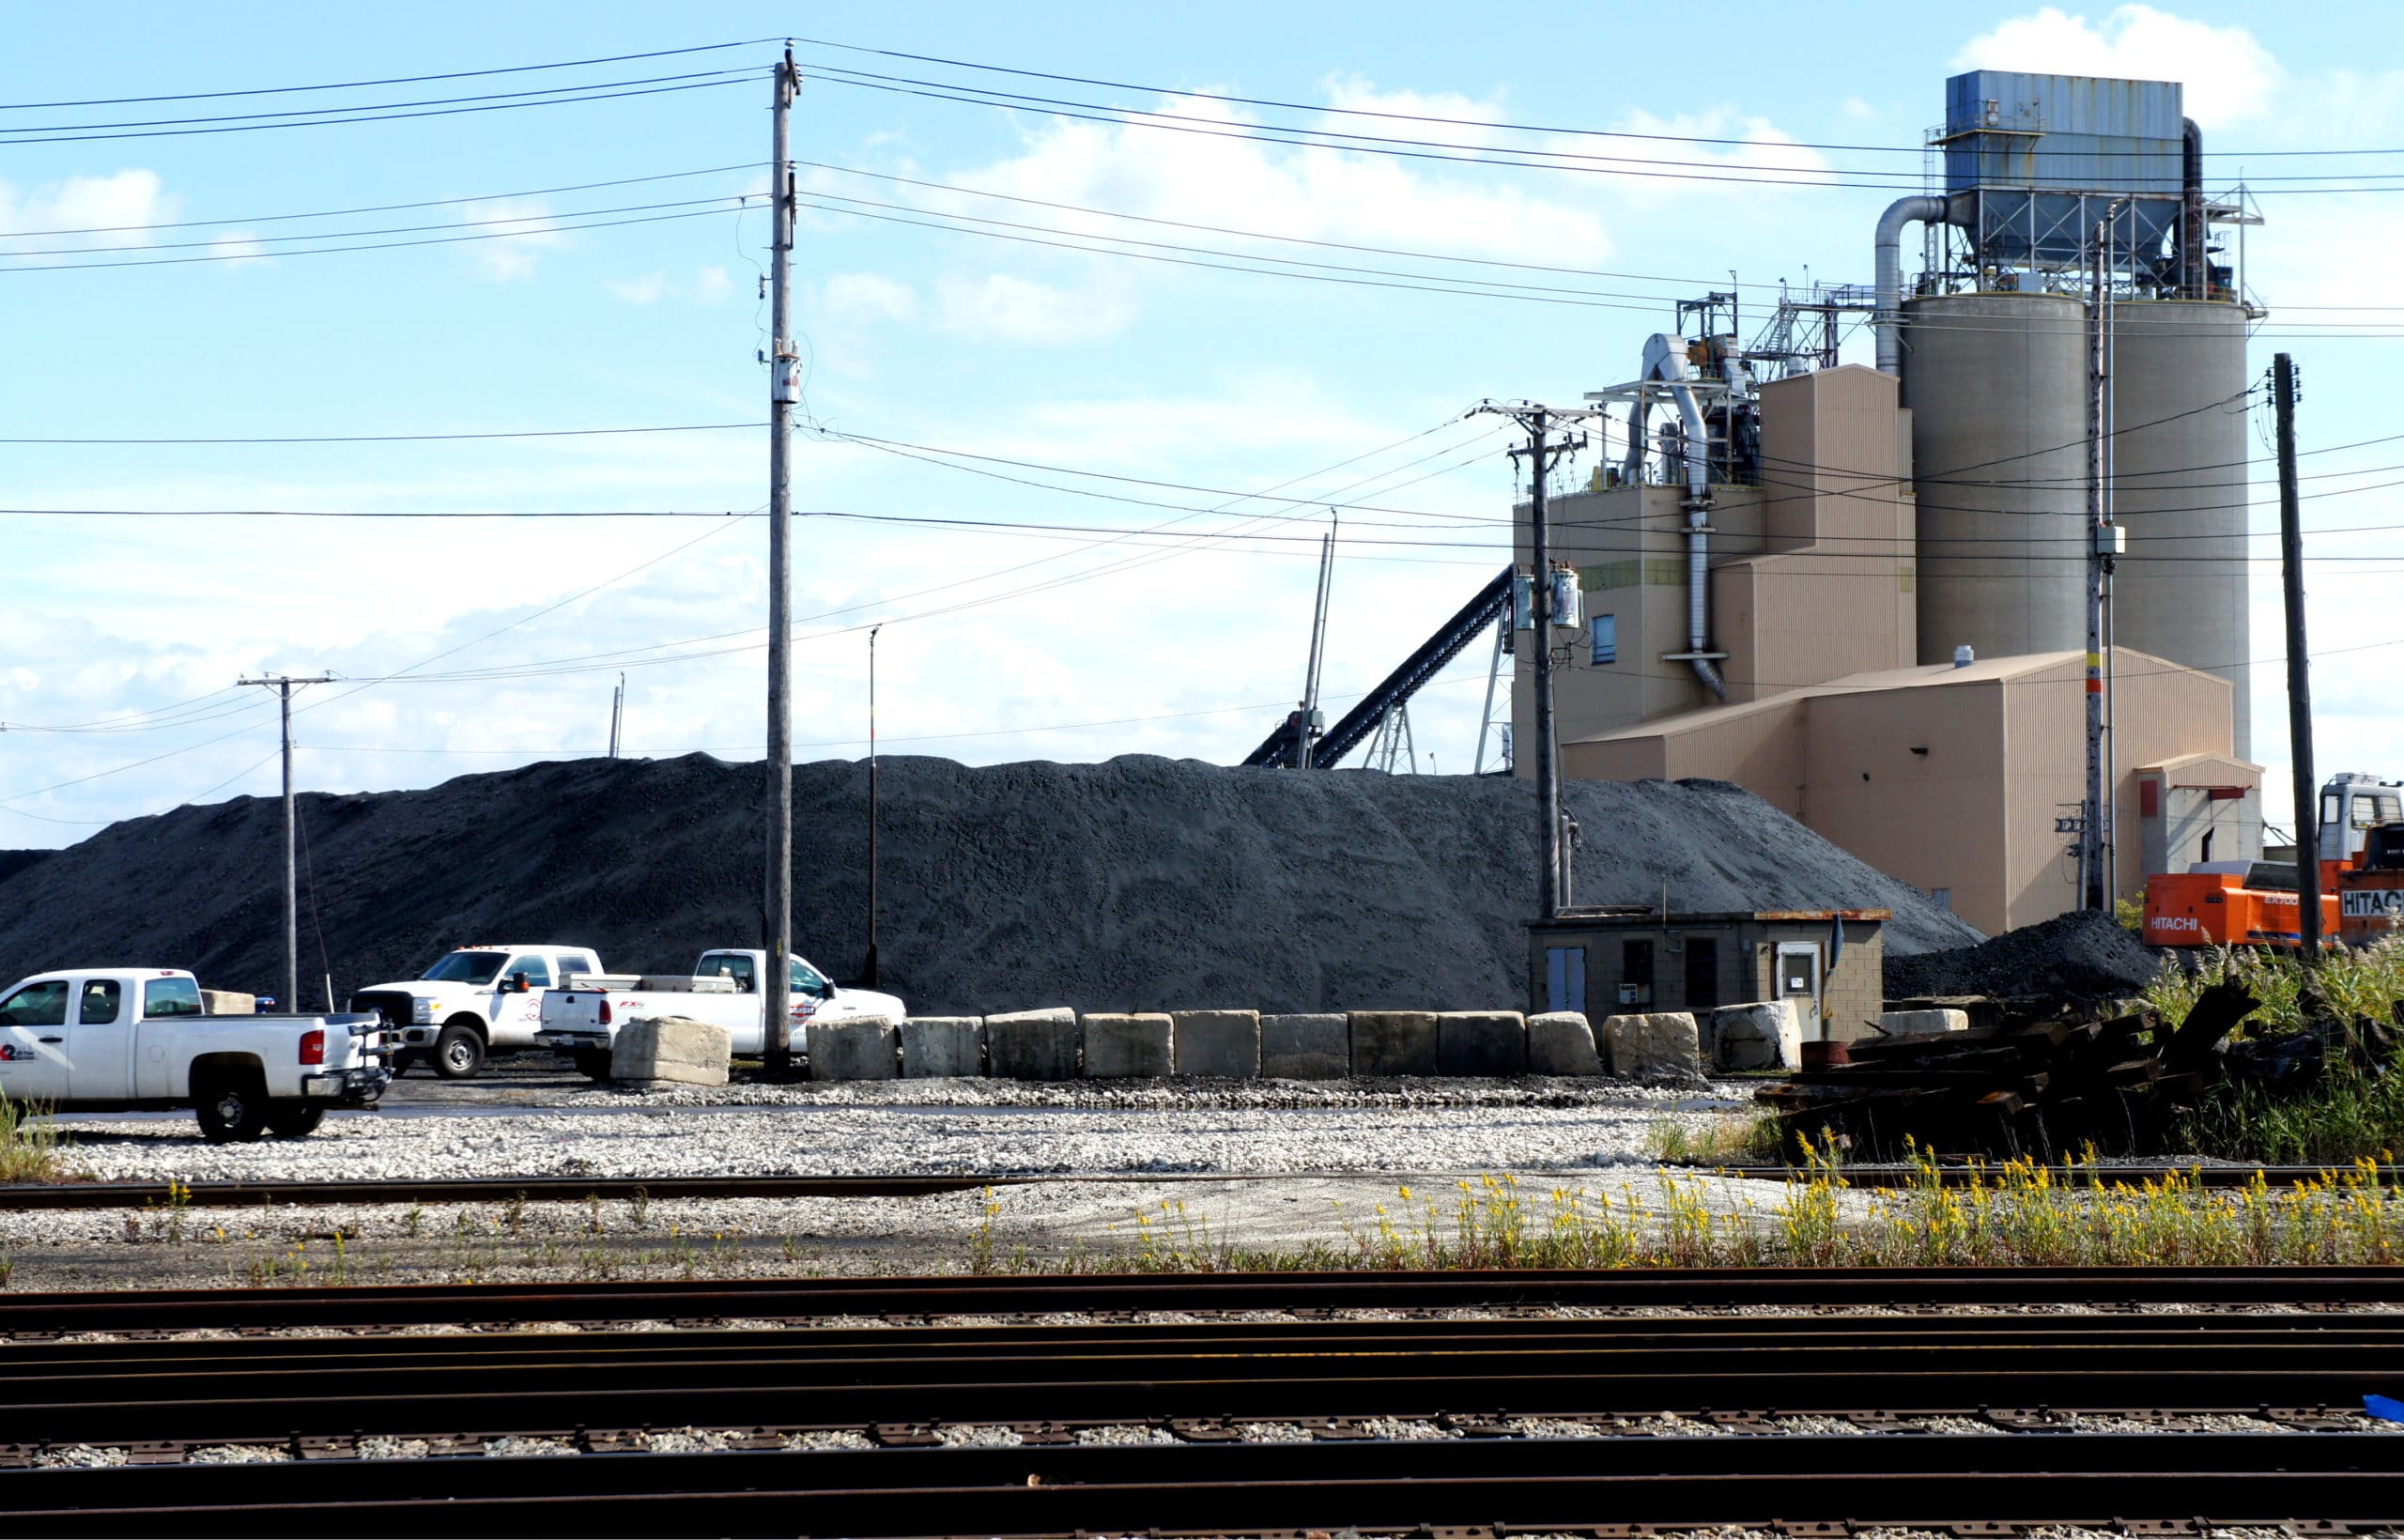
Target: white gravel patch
831, 1439
977, 1436
517, 1448
1125, 1435
79, 1457
238, 1455
1401, 1131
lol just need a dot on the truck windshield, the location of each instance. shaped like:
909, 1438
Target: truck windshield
466, 968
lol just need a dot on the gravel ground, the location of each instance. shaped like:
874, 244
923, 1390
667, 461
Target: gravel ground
878, 1129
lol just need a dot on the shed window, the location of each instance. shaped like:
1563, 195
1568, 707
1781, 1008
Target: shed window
1605, 634
1636, 963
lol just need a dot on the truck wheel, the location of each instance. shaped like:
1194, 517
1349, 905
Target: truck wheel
459, 1051
232, 1109
294, 1119
593, 1064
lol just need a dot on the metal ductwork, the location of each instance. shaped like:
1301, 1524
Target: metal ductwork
2194, 271
1665, 359
1889, 280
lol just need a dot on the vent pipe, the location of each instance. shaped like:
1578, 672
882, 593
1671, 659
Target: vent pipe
1890, 252
1665, 359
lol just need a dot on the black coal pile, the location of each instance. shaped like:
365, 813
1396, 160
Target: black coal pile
1140, 882
2084, 955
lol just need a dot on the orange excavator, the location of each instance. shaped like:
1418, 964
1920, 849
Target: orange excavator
2255, 903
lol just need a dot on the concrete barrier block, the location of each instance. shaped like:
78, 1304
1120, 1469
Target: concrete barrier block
1908, 1024
1765, 1035
226, 1002
1125, 1047
1481, 1042
863, 1048
1394, 1042
671, 1048
1305, 1047
1032, 1044
1220, 1044
1661, 1046
943, 1047
1562, 1042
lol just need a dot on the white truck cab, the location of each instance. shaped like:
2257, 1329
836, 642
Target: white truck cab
473, 1003
133, 1040
723, 988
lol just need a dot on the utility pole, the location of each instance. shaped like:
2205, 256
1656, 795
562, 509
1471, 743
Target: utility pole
2093, 884
2307, 821
1548, 787
785, 388
867, 970
1537, 419
617, 714
282, 685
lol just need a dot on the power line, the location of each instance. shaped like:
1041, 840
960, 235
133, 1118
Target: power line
545, 224
238, 255
414, 437
387, 80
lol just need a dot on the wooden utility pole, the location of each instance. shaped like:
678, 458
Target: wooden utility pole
2307, 821
784, 390
282, 685
1548, 785
867, 970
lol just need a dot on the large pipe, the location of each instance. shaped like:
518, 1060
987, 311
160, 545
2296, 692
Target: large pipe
2194, 276
1900, 212
1665, 359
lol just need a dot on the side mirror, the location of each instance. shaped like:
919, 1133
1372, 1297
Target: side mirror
516, 983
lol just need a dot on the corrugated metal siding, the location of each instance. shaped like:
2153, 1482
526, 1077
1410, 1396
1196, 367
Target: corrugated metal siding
2091, 135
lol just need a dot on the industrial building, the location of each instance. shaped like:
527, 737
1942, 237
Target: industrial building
1862, 594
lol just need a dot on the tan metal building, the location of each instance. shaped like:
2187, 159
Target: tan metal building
1953, 779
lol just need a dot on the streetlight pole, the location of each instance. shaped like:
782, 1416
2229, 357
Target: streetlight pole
283, 685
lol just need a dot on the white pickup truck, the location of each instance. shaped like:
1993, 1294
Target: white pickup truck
134, 1039
473, 1003
582, 1021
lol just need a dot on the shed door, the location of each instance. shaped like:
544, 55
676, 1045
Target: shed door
1565, 978
1798, 979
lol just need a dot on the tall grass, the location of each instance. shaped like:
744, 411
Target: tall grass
2353, 1110
2016, 1214
29, 1144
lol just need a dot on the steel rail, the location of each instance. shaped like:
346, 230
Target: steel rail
2333, 1484
394, 1305
536, 1385
26, 1197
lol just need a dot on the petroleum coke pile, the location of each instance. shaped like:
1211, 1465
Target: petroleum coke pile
1135, 883
2083, 955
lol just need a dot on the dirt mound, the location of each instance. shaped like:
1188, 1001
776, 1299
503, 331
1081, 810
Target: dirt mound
1139, 882
2083, 955
14, 861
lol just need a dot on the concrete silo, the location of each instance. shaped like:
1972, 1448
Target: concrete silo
2046, 176
2179, 485
1996, 387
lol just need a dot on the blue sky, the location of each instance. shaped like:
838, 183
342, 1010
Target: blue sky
997, 645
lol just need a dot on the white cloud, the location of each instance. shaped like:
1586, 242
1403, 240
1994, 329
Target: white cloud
239, 245
1006, 308
861, 296
1857, 109
707, 286
520, 242
2230, 77
84, 214
1762, 155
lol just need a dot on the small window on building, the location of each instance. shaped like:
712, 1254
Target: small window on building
1942, 898
1605, 634
1636, 963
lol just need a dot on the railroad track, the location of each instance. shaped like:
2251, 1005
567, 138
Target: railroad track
383, 1307
1417, 1424
2315, 1485
253, 1195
